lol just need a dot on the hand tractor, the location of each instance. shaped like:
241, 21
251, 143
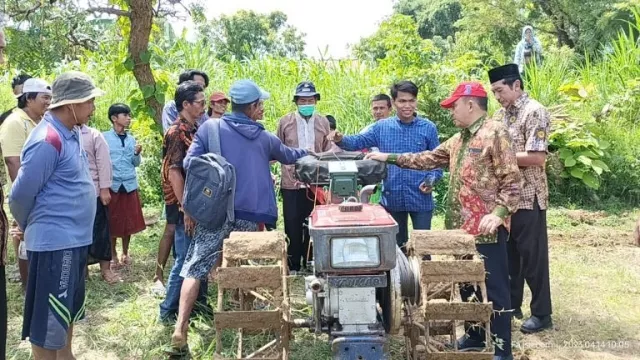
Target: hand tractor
364, 290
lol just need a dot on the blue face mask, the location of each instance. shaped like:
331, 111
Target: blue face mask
306, 110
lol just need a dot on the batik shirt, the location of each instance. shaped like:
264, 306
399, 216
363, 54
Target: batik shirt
176, 142
529, 123
484, 175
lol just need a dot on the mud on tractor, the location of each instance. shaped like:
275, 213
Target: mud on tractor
364, 289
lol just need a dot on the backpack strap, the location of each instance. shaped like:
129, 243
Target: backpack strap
214, 137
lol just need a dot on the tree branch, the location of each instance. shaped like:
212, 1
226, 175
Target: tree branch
109, 10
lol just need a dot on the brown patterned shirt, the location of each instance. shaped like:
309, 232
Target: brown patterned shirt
176, 142
529, 124
484, 175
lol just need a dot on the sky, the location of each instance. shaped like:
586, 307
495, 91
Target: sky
332, 23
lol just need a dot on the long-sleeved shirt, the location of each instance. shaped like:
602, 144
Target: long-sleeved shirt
401, 189
485, 178
170, 115
53, 198
123, 160
296, 132
247, 146
97, 151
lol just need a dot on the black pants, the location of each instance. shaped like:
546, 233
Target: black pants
497, 281
3, 313
529, 259
297, 207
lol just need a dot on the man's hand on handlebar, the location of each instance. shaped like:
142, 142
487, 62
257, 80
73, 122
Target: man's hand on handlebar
378, 156
335, 136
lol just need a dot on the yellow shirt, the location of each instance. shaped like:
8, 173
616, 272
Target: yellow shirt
13, 135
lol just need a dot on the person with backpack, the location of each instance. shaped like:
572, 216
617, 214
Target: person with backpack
190, 102
245, 149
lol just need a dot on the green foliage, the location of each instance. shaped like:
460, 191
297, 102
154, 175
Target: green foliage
434, 18
247, 34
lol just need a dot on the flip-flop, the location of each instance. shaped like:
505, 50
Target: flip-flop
158, 290
178, 353
113, 279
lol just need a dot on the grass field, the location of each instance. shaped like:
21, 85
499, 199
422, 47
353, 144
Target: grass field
595, 278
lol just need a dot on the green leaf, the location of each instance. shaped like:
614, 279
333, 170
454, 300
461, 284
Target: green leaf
145, 57
151, 112
604, 145
577, 173
564, 174
148, 90
129, 64
585, 160
591, 181
601, 165
569, 162
565, 153
160, 97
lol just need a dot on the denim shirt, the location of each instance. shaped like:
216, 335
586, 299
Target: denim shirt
124, 160
401, 188
53, 198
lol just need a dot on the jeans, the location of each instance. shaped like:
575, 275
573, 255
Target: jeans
169, 307
420, 221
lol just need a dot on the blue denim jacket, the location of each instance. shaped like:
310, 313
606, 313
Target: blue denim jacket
124, 160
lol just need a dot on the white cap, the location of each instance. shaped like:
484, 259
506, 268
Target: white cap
34, 85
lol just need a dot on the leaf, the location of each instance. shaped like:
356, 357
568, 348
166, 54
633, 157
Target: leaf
145, 56
564, 174
583, 93
565, 153
569, 162
129, 64
604, 145
601, 164
160, 97
147, 91
585, 160
591, 181
577, 173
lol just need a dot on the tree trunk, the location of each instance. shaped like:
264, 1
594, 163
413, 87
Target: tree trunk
141, 19
558, 23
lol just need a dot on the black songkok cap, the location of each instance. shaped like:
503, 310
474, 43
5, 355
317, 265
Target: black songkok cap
504, 72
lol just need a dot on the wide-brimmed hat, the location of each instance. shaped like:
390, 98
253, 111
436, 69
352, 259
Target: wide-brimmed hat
306, 89
73, 87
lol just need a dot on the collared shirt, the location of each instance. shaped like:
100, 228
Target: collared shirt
53, 198
123, 160
99, 158
306, 132
13, 135
170, 115
288, 132
401, 188
175, 144
529, 125
484, 175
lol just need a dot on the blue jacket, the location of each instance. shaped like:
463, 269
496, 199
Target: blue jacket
123, 160
53, 198
249, 148
400, 190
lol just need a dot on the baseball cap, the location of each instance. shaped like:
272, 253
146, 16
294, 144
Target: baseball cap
33, 85
73, 87
218, 96
469, 88
306, 89
246, 91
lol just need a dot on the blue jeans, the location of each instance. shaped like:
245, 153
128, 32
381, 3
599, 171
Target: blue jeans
420, 221
169, 307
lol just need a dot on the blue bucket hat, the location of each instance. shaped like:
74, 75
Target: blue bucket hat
246, 92
306, 89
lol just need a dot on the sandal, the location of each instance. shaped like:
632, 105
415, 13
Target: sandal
158, 289
126, 260
115, 265
178, 352
111, 278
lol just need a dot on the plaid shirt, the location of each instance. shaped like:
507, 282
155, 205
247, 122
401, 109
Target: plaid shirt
484, 175
400, 190
529, 124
